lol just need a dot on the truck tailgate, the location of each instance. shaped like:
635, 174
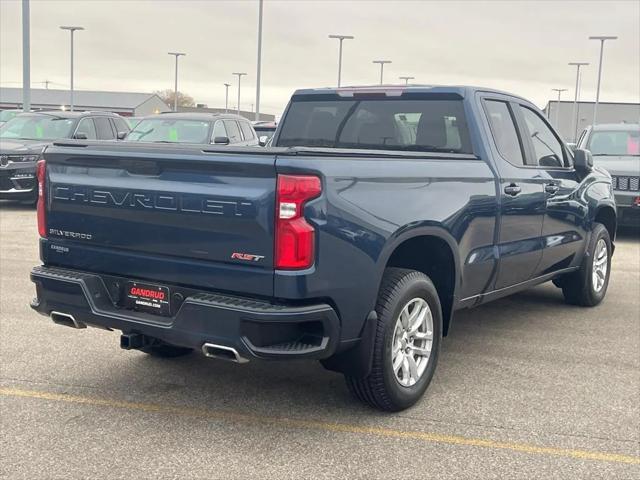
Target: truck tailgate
184, 215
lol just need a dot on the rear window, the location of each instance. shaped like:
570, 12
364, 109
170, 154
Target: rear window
425, 125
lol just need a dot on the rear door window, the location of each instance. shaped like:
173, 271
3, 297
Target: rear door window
504, 131
103, 128
233, 132
411, 124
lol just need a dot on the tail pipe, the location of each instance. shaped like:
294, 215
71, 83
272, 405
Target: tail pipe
222, 352
67, 320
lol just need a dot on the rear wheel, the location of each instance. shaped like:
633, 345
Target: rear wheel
407, 342
588, 286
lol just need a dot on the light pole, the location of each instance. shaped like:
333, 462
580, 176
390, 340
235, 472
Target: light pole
26, 57
71, 30
406, 79
226, 97
576, 96
259, 60
559, 90
240, 75
381, 62
175, 86
341, 38
602, 40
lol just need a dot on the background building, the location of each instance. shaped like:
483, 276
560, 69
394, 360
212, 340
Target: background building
608, 112
124, 103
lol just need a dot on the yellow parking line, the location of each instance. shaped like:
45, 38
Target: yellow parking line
326, 426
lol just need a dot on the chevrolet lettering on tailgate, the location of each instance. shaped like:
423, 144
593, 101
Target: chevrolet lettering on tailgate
153, 200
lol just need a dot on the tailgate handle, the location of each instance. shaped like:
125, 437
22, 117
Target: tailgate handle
137, 167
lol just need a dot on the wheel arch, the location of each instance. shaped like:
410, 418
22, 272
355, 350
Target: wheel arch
606, 215
407, 250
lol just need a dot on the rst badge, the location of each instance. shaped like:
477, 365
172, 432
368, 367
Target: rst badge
247, 257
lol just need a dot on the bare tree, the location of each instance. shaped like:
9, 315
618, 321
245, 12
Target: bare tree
184, 100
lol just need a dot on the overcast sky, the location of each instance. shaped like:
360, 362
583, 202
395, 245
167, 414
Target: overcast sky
519, 46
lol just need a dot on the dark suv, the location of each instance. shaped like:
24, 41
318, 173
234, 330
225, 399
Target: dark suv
24, 137
195, 128
616, 148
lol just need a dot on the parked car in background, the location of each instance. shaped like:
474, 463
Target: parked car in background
199, 128
377, 213
616, 148
24, 137
6, 115
265, 131
133, 121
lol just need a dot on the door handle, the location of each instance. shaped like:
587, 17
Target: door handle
551, 189
512, 189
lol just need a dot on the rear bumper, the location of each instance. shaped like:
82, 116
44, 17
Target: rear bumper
254, 328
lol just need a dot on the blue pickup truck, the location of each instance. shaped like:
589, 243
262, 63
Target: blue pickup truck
376, 214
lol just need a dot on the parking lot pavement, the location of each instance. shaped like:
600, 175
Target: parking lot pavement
526, 387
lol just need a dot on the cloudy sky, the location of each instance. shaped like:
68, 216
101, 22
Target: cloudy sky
519, 46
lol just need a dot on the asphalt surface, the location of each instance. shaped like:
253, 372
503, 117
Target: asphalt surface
526, 387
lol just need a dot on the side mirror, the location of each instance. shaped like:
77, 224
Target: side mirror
550, 161
121, 135
572, 146
582, 160
80, 136
221, 140
262, 140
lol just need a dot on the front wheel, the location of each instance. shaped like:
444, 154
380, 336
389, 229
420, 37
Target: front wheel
588, 286
407, 342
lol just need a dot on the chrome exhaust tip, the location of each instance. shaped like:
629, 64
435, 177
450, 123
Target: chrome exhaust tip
66, 320
222, 352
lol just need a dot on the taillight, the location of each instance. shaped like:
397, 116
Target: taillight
42, 201
295, 238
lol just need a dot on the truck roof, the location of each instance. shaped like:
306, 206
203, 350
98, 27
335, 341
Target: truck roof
462, 90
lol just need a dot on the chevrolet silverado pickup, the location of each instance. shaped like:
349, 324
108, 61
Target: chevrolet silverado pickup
376, 214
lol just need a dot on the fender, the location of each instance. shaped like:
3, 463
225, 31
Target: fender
410, 231
357, 361
599, 197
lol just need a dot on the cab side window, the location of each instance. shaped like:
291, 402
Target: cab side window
247, 131
233, 131
87, 127
218, 130
504, 131
120, 125
103, 128
548, 149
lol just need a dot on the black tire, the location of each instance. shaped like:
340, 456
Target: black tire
164, 350
578, 287
380, 389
